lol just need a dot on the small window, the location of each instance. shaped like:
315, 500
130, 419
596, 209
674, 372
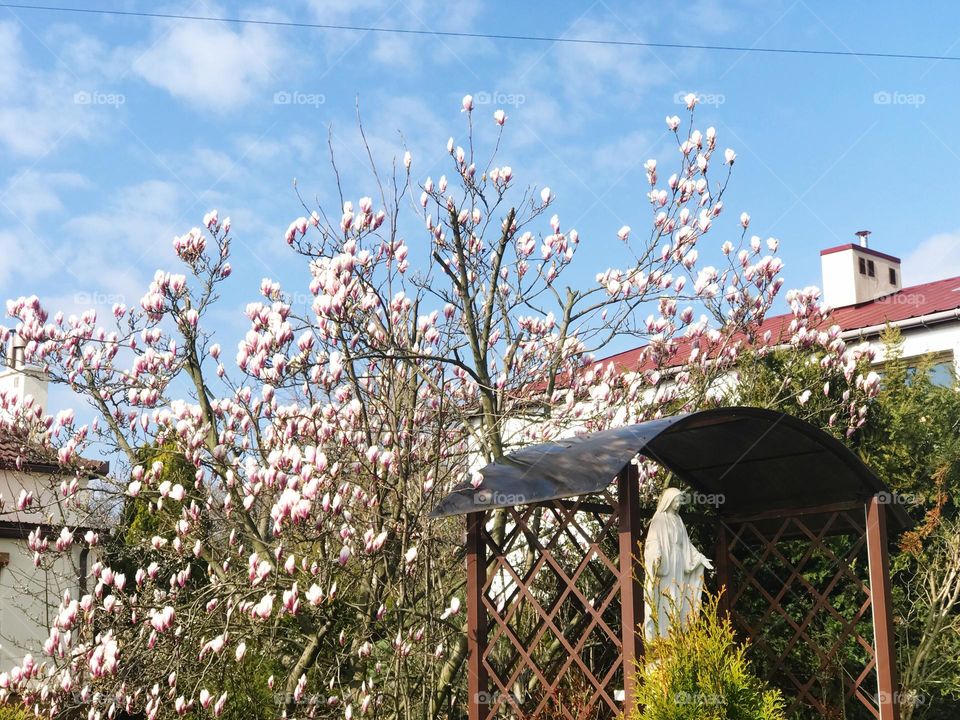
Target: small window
871, 269
893, 276
82, 572
942, 373
863, 266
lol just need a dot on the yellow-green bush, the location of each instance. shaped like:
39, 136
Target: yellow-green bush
699, 672
10, 711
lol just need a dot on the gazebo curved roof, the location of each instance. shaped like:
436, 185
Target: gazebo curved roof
760, 461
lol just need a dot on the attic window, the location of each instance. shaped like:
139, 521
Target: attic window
893, 276
863, 266
871, 269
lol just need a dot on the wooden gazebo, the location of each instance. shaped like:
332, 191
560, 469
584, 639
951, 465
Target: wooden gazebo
799, 537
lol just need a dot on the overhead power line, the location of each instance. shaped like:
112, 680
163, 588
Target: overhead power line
481, 36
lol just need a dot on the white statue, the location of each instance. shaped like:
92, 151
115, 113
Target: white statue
673, 569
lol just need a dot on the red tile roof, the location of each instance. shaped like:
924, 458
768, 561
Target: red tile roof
911, 302
14, 452
19, 453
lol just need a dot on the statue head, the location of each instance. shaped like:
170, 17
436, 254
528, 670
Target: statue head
671, 500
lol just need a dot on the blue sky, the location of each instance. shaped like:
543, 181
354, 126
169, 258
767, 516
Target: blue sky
116, 133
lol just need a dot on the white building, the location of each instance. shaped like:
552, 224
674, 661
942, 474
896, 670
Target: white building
29, 594
863, 286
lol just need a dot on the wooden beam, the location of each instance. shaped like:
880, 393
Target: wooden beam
477, 686
795, 512
631, 581
887, 687
722, 563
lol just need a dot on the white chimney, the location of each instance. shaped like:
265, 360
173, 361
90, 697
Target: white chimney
856, 273
19, 378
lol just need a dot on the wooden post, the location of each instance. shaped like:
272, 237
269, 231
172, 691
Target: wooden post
883, 644
478, 694
722, 563
631, 580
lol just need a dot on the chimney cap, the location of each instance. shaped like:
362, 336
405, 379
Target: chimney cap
863, 235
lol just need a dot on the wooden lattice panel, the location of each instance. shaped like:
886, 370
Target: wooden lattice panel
800, 597
552, 603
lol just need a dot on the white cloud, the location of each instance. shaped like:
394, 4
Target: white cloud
23, 258
935, 258
10, 56
136, 226
41, 110
97, 258
31, 194
211, 65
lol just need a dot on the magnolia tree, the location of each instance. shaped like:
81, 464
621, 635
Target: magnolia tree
284, 554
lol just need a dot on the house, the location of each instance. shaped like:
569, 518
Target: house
863, 287
29, 593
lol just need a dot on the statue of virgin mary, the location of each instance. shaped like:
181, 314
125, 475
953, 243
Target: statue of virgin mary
673, 569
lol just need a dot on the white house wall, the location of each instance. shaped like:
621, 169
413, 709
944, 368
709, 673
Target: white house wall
29, 598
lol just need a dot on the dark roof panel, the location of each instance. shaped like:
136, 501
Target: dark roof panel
759, 460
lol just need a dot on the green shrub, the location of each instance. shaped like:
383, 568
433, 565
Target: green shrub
15, 711
700, 673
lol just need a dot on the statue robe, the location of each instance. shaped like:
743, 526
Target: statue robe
673, 570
